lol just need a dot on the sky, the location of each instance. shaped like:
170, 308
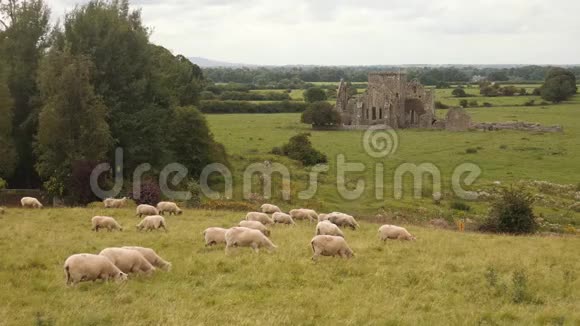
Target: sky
363, 32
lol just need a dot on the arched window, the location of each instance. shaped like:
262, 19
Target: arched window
374, 113
381, 113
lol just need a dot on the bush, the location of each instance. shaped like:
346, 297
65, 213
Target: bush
321, 114
463, 103
459, 92
277, 150
530, 103
512, 213
314, 94
460, 206
441, 106
150, 193
300, 148
471, 151
195, 190
487, 104
79, 189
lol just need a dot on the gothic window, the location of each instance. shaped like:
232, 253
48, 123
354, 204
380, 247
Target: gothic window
381, 113
374, 113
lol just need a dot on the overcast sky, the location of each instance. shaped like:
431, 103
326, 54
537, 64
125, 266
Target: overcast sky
347, 32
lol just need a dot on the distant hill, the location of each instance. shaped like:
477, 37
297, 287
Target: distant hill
208, 63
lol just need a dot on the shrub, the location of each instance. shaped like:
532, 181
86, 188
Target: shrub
487, 104
277, 151
300, 148
471, 151
473, 103
215, 106
79, 189
314, 94
459, 92
320, 114
460, 206
463, 103
512, 213
150, 193
195, 190
530, 103
441, 106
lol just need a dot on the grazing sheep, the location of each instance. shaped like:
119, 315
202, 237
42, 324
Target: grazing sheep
245, 237
169, 207
128, 260
105, 222
323, 217
282, 218
153, 222
329, 245
214, 236
394, 232
304, 214
270, 209
152, 257
115, 203
260, 217
256, 226
342, 219
327, 228
89, 267
146, 210
30, 202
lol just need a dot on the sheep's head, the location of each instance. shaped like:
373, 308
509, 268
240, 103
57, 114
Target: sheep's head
179, 211
121, 277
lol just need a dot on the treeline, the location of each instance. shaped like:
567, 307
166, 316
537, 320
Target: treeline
214, 106
283, 77
72, 93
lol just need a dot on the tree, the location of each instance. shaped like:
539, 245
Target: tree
300, 148
459, 92
321, 114
25, 28
8, 158
512, 213
72, 123
314, 94
559, 85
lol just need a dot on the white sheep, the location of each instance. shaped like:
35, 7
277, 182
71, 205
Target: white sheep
304, 214
270, 209
260, 217
152, 257
30, 202
146, 210
329, 245
342, 219
214, 236
245, 237
128, 260
328, 228
256, 226
153, 222
115, 203
89, 267
169, 207
323, 217
282, 218
105, 222
388, 231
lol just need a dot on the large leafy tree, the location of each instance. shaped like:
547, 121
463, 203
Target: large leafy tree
314, 94
559, 85
321, 114
24, 37
72, 122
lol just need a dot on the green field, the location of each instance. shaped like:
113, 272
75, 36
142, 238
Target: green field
442, 278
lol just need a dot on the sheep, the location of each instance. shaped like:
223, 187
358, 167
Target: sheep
260, 217
152, 223
394, 232
146, 210
245, 237
304, 214
256, 226
105, 222
169, 207
342, 219
282, 218
152, 257
115, 203
327, 228
128, 260
270, 209
30, 202
323, 217
329, 245
89, 267
214, 236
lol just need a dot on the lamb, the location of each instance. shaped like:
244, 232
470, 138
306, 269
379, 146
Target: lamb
128, 260
245, 237
256, 226
270, 209
342, 219
304, 214
260, 217
394, 232
152, 257
105, 222
115, 203
329, 245
88, 267
327, 228
282, 218
30, 202
169, 207
146, 210
153, 222
214, 236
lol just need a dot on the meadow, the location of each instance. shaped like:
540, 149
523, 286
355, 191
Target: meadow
443, 278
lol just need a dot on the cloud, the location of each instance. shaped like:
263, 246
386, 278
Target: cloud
364, 32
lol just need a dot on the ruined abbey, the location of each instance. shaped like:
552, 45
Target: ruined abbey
390, 100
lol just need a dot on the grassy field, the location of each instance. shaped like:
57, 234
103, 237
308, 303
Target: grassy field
442, 278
